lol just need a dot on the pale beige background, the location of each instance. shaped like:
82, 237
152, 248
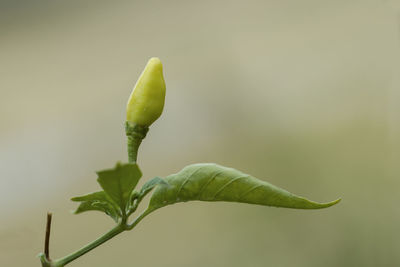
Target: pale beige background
304, 94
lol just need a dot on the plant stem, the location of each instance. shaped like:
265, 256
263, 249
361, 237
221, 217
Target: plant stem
47, 238
138, 219
133, 146
67, 259
135, 134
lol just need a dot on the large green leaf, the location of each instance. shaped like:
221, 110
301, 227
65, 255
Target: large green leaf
99, 201
211, 182
119, 182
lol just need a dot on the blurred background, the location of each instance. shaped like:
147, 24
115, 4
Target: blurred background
303, 94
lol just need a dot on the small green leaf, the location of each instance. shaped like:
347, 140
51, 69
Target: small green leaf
97, 201
119, 182
149, 185
136, 197
211, 182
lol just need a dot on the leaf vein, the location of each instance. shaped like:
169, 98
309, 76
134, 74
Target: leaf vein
121, 197
249, 191
207, 183
227, 184
187, 180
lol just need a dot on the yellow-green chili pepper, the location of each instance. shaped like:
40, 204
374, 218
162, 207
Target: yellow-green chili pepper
146, 102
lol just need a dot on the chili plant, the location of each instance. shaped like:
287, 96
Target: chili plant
119, 198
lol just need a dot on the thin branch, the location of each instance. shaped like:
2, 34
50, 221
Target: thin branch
67, 259
47, 239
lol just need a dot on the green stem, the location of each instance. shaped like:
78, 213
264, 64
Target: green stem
135, 134
133, 146
67, 259
138, 219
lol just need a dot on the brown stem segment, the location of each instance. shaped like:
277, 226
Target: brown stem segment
47, 239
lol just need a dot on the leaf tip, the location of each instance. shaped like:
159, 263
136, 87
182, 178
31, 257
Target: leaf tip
74, 211
335, 201
329, 204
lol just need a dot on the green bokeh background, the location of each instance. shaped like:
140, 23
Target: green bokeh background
303, 94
